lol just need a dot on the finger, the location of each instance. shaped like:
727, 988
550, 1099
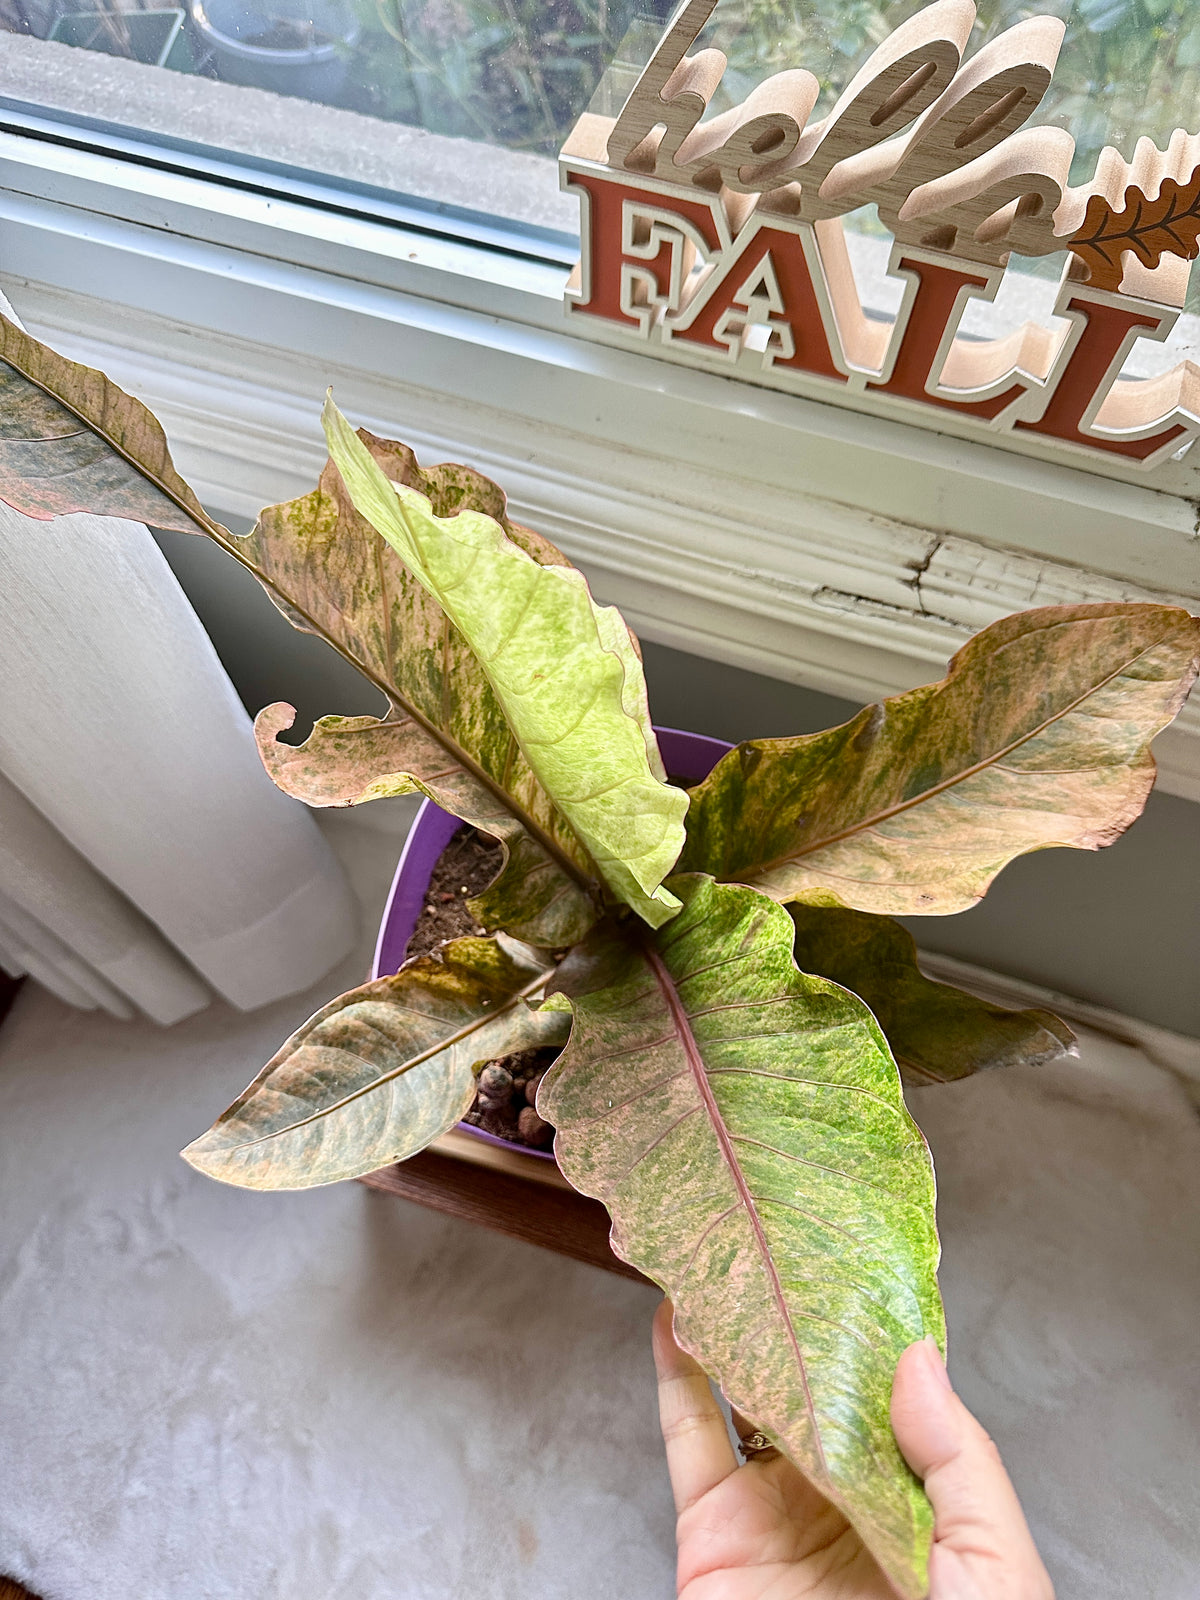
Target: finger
699, 1452
976, 1510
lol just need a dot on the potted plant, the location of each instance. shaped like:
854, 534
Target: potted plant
717, 965
429, 904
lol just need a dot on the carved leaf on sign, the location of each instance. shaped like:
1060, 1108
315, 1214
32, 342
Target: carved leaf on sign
1167, 223
719, 240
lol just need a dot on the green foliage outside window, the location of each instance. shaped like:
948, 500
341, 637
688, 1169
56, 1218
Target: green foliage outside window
518, 72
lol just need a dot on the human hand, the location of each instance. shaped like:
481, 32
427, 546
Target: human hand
762, 1532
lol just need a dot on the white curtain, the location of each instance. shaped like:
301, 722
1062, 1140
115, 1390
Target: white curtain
146, 859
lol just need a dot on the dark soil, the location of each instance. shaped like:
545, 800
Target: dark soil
464, 869
502, 1116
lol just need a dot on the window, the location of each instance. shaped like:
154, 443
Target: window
514, 74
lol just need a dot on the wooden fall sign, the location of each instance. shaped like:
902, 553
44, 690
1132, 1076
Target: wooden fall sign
722, 243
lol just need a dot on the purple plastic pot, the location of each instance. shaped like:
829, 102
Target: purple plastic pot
689, 756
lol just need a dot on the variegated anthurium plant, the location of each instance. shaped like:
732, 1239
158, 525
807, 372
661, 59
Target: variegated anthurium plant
719, 966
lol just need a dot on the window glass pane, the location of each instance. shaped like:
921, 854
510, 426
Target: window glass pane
514, 74
1127, 67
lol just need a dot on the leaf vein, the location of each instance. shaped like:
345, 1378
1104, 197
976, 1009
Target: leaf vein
725, 1140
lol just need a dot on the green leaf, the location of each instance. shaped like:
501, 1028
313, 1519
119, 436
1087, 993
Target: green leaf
744, 1125
1187, 53
351, 760
381, 1071
565, 674
937, 1033
70, 440
446, 734
1039, 735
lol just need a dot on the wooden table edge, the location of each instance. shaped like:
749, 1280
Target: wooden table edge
513, 1194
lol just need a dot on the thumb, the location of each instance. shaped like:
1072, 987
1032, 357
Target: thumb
982, 1544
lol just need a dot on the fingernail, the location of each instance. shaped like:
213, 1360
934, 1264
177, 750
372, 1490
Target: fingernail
936, 1364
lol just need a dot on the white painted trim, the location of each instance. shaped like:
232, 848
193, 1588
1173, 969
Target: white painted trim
849, 552
759, 574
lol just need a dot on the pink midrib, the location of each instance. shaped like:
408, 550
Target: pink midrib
683, 1028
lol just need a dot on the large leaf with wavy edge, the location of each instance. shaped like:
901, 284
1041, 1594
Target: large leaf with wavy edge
351, 760
380, 1072
70, 440
1039, 735
446, 733
566, 675
937, 1033
744, 1125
